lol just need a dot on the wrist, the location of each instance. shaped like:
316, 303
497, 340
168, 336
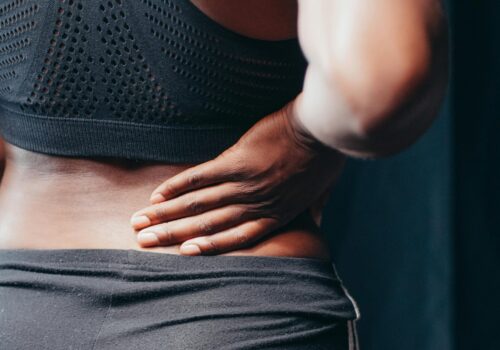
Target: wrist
302, 135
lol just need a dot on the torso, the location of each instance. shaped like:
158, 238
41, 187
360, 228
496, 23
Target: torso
51, 202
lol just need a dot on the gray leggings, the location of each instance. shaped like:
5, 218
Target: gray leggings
96, 299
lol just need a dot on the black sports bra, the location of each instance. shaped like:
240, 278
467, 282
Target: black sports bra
138, 79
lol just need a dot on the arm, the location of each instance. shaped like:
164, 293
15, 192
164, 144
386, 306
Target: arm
377, 72
376, 76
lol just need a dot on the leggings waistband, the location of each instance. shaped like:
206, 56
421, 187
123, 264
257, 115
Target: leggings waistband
162, 261
130, 299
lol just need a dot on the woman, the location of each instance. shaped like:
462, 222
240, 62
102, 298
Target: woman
103, 102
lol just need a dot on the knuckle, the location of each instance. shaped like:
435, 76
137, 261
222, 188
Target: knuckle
269, 205
265, 189
240, 213
169, 189
246, 189
205, 226
228, 154
194, 178
256, 209
236, 168
241, 237
193, 205
166, 235
212, 246
161, 212
240, 166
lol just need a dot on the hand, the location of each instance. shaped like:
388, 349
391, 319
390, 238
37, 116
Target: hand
274, 172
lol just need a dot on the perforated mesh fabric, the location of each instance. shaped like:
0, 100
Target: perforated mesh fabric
141, 79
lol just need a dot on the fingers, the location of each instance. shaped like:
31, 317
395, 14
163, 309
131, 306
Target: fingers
231, 239
211, 172
189, 204
207, 223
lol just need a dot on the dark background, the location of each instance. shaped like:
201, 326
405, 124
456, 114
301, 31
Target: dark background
416, 237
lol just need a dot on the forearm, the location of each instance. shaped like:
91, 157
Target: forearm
377, 72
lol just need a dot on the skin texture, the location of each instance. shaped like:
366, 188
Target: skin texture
51, 202
376, 77
241, 195
250, 195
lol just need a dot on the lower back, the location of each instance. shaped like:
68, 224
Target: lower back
49, 202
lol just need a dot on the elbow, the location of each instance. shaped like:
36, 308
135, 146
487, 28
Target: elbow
380, 88
387, 75
386, 97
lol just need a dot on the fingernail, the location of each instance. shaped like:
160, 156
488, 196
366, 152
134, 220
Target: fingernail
140, 221
157, 198
190, 249
147, 238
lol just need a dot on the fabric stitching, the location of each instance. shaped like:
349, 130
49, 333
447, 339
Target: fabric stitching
108, 311
117, 122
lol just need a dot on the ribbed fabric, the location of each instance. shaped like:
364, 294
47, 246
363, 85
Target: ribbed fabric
81, 137
139, 79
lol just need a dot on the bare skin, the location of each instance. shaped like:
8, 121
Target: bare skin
52, 202
375, 81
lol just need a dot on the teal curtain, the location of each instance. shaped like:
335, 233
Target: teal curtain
415, 237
